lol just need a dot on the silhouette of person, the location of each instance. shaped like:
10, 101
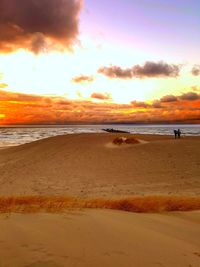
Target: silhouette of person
175, 133
179, 133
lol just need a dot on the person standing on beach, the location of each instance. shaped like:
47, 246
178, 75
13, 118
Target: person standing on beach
175, 133
179, 133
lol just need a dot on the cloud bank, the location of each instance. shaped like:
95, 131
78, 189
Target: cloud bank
17, 108
38, 25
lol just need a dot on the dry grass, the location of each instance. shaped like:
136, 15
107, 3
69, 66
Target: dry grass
124, 140
118, 141
30, 204
132, 140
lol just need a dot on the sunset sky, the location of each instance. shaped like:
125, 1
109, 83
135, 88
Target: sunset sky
74, 61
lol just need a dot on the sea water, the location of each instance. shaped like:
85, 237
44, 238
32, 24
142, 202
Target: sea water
16, 135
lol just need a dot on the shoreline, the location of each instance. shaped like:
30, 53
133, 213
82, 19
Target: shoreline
154, 136
27, 134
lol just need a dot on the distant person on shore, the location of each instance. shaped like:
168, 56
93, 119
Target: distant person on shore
179, 133
175, 133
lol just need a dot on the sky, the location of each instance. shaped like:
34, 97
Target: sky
87, 61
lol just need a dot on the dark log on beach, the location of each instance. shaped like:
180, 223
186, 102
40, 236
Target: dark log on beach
115, 131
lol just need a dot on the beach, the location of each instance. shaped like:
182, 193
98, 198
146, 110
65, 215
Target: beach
89, 167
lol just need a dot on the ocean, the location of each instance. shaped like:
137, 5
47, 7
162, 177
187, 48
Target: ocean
16, 135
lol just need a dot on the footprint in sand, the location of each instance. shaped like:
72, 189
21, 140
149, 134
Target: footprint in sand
197, 254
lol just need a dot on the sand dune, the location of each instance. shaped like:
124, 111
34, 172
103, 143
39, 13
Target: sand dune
86, 165
100, 238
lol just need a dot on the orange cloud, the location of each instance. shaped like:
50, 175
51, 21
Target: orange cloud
101, 96
17, 108
138, 104
83, 79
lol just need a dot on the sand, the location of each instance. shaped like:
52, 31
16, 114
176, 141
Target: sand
90, 166
100, 238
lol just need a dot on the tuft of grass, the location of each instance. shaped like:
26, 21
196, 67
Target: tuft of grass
131, 140
124, 140
52, 204
118, 141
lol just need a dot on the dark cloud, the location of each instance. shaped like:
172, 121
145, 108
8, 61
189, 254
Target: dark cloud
171, 102
116, 72
196, 70
101, 96
38, 44
153, 69
189, 96
148, 70
83, 79
168, 98
38, 24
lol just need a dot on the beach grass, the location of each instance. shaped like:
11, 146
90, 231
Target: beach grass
123, 140
53, 204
